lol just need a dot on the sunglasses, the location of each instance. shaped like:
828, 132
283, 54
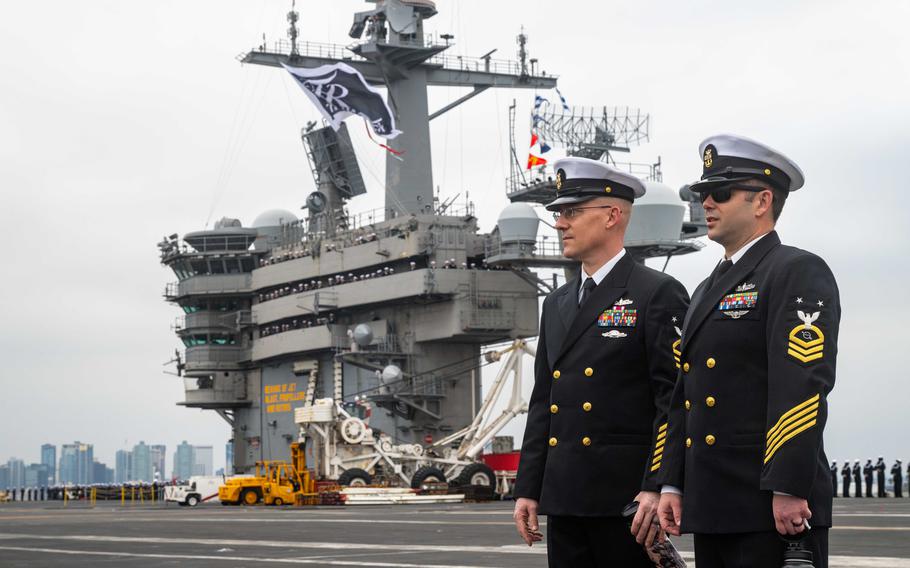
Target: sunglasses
724, 193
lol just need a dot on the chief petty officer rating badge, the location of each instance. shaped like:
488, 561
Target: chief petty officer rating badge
806, 341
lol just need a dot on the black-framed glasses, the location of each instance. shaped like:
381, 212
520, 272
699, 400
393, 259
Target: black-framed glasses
572, 212
724, 193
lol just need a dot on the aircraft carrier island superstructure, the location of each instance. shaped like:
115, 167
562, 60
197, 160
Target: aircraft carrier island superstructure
384, 313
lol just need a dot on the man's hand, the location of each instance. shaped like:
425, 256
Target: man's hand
669, 511
644, 526
790, 514
525, 517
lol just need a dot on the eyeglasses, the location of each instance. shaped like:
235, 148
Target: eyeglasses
572, 212
724, 193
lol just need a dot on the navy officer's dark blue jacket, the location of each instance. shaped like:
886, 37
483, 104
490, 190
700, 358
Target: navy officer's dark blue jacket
604, 374
758, 359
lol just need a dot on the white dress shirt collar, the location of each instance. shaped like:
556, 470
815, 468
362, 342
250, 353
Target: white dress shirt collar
745, 248
601, 272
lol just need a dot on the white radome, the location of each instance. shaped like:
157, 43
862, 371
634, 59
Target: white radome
274, 218
657, 215
518, 222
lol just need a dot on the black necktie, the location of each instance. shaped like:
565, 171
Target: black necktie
722, 268
586, 290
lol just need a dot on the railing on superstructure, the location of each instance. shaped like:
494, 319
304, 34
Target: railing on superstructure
359, 228
451, 62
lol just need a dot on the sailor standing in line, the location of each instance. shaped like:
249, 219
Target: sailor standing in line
897, 476
857, 480
867, 474
603, 376
759, 345
834, 478
845, 474
880, 476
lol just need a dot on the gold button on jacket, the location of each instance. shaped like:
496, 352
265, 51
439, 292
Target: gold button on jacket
552, 441
586, 441
688, 442
589, 371
709, 439
586, 406
710, 401
688, 405
556, 374
685, 367
554, 409
710, 362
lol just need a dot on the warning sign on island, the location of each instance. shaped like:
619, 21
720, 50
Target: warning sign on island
281, 397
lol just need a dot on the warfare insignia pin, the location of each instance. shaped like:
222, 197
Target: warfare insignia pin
613, 334
806, 341
709, 157
738, 301
622, 302
560, 177
745, 287
736, 314
618, 317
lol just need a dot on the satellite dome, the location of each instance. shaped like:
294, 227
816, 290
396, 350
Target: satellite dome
656, 216
227, 223
362, 335
274, 218
518, 222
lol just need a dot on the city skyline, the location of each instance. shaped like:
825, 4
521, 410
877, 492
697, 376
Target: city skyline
112, 462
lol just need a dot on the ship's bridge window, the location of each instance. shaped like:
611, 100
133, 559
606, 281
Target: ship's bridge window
195, 340
223, 339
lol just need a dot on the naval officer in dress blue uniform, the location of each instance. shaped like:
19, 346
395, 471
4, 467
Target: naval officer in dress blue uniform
759, 345
604, 373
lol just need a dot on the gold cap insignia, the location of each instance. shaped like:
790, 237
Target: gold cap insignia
709, 156
559, 179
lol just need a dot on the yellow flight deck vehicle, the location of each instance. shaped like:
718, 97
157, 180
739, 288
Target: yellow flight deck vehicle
275, 483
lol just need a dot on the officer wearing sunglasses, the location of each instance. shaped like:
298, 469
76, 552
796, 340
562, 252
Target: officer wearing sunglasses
603, 376
745, 459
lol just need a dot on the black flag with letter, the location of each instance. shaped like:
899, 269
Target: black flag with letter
340, 91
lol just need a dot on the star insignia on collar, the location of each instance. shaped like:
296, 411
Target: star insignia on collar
799, 300
673, 319
820, 304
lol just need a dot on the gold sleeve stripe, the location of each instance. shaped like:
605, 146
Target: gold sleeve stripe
791, 412
656, 460
655, 467
662, 427
660, 443
797, 418
658, 452
661, 436
799, 430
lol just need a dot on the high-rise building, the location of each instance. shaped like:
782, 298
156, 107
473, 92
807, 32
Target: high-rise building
102, 473
49, 459
37, 475
123, 464
183, 461
142, 463
229, 458
16, 472
158, 454
203, 462
4, 476
76, 461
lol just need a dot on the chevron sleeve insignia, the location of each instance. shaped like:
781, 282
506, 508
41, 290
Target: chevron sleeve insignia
791, 423
659, 447
806, 341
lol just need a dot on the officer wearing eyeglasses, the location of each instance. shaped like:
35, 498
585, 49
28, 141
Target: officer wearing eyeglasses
745, 457
604, 373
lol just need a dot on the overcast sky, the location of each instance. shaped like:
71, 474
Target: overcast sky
121, 122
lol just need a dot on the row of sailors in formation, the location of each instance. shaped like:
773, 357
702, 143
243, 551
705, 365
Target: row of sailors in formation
352, 277
296, 323
858, 474
102, 491
306, 251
